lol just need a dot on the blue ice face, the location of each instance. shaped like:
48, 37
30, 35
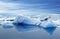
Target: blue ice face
21, 20
50, 28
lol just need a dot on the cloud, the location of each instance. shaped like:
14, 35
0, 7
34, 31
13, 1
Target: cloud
27, 9
17, 8
11, 8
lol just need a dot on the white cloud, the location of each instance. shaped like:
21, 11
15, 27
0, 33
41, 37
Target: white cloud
20, 8
6, 7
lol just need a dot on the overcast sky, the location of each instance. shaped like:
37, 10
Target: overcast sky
30, 6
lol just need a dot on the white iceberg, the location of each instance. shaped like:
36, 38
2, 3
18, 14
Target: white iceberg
26, 20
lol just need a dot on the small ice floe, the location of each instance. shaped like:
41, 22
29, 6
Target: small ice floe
6, 22
49, 26
7, 25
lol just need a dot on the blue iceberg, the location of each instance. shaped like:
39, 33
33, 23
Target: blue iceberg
50, 27
7, 25
21, 20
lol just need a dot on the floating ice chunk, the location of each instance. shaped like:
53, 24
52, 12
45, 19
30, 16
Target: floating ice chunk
50, 30
7, 25
26, 20
49, 27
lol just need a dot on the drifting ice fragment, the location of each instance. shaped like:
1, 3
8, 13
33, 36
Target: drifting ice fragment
50, 30
50, 27
7, 25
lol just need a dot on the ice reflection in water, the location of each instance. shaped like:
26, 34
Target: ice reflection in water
25, 27
7, 27
50, 28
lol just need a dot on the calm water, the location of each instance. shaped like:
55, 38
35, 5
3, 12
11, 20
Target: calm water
29, 32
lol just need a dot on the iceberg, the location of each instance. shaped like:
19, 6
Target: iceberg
23, 23
49, 26
7, 25
26, 20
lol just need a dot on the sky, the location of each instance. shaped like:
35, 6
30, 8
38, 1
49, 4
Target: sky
29, 7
